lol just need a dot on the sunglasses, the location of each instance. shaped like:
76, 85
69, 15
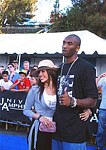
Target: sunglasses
10, 66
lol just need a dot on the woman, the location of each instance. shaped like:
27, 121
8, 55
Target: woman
43, 98
34, 78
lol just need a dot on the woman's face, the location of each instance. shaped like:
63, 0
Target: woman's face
43, 76
10, 68
33, 81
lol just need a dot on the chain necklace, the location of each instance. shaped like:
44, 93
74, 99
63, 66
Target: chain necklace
69, 67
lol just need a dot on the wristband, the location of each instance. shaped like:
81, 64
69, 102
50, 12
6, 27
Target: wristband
39, 117
74, 104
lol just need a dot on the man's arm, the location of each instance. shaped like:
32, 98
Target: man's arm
23, 90
99, 77
66, 100
15, 84
86, 102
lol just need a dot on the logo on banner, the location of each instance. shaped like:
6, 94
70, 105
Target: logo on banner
7, 104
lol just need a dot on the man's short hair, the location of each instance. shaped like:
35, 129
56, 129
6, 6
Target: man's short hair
5, 72
76, 37
26, 61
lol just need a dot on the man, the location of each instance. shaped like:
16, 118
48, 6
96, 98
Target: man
76, 91
26, 67
101, 132
13, 75
23, 83
16, 65
5, 83
1, 70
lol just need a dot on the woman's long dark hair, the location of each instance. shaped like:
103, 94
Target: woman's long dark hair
52, 75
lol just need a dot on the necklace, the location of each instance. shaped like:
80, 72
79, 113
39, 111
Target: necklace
68, 69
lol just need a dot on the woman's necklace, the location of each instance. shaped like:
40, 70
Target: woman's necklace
68, 69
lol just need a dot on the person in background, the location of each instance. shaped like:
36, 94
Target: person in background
34, 77
23, 83
32, 69
43, 98
76, 91
13, 75
16, 65
101, 132
1, 70
5, 83
26, 67
35, 67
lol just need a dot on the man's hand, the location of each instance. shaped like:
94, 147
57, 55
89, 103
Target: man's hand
13, 90
2, 88
19, 80
65, 99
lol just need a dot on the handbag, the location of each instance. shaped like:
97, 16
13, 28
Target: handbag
44, 128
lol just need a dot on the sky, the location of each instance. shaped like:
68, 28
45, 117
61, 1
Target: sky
46, 6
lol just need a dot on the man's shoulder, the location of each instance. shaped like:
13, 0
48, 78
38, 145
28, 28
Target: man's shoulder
85, 63
82, 60
1, 80
9, 81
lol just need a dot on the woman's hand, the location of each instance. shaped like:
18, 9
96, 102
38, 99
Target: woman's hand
85, 115
46, 121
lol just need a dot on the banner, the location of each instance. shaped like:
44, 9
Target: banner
12, 105
94, 117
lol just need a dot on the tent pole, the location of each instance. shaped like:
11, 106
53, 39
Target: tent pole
19, 56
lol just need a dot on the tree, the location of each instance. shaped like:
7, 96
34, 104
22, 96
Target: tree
84, 15
13, 11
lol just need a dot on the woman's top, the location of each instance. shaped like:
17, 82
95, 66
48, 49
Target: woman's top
50, 100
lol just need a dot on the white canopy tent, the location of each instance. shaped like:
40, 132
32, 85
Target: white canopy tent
49, 42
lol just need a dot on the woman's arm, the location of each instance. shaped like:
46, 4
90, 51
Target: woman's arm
85, 115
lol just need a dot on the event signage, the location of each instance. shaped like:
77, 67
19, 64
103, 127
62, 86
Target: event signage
12, 105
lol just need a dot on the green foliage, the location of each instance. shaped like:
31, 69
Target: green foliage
12, 11
84, 15
97, 24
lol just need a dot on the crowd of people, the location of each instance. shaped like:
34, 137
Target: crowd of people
60, 99
11, 78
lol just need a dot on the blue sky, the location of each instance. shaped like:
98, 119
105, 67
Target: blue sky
46, 6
